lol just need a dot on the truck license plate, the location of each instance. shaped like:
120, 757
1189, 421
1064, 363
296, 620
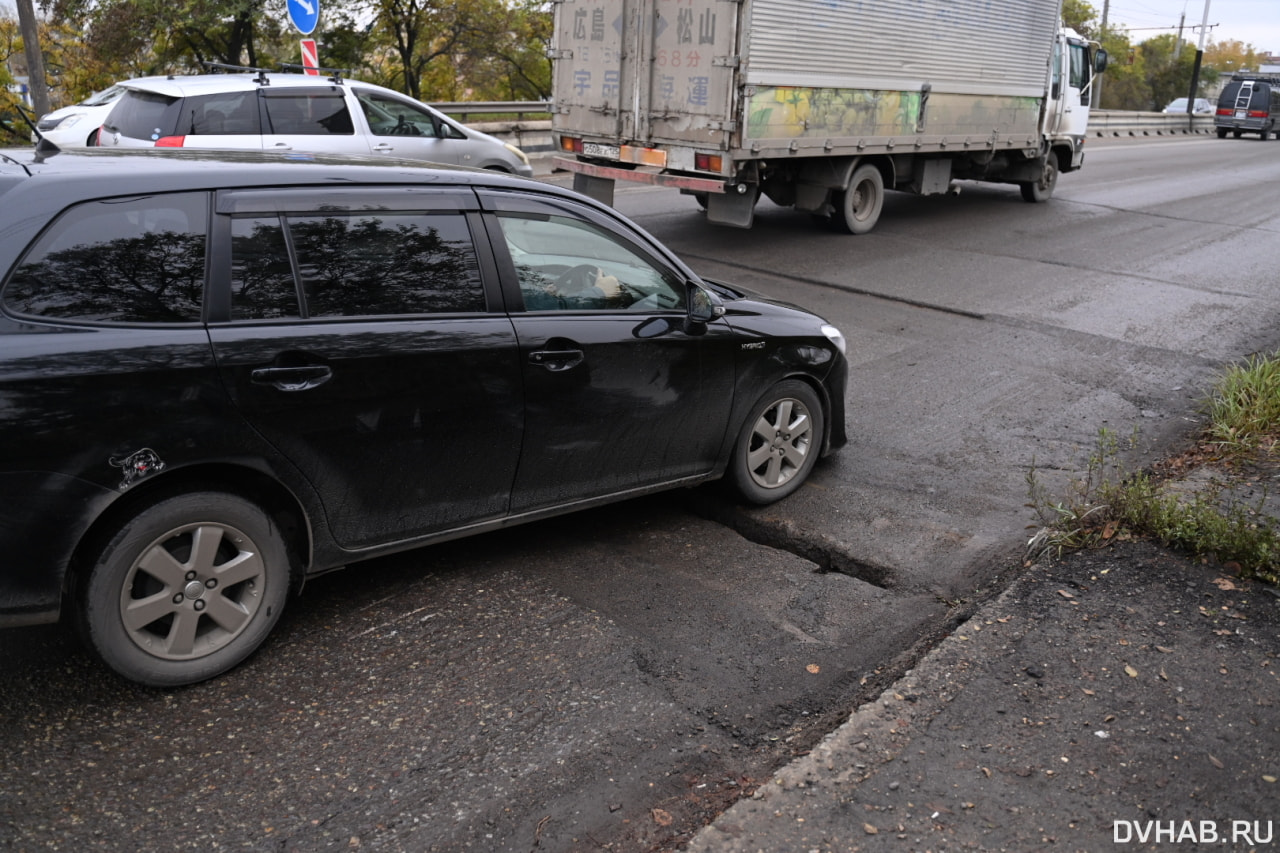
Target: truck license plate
1240, 113
595, 149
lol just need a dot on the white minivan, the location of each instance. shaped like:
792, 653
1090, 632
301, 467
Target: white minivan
77, 126
296, 113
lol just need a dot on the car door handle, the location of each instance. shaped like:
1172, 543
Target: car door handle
382, 146
292, 378
557, 360
284, 146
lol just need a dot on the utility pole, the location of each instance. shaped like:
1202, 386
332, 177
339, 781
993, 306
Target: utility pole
1097, 81
30, 29
1177, 47
1195, 70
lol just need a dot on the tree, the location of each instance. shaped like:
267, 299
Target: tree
456, 49
1125, 86
1226, 57
1079, 16
130, 38
11, 125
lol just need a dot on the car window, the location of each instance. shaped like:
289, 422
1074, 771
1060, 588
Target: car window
262, 282
567, 264
392, 117
132, 260
1079, 66
226, 113
309, 114
144, 115
363, 264
106, 96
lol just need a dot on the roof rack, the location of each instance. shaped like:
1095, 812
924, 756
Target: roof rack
261, 80
1273, 79
335, 74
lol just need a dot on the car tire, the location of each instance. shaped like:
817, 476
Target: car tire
1264, 134
1041, 190
1222, 133
185, 589
857, 209
779, 443
1236, 134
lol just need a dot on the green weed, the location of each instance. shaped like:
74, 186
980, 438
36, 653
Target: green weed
1244, 407
1106, 504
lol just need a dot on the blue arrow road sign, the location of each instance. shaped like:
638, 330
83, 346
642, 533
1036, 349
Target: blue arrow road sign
304, 14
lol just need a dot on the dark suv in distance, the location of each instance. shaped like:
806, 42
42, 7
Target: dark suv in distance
221, 373
1249, 104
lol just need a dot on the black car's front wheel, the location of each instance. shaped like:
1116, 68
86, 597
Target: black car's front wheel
778, 444
186, 589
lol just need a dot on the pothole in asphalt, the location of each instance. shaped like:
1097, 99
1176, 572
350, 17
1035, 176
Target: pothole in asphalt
783, 535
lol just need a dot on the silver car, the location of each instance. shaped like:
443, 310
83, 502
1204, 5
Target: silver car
1202, 107
300, 113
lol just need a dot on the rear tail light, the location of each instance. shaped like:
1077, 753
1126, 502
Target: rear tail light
171, 141
572, 144
1257, 113
708, 162
1224, 111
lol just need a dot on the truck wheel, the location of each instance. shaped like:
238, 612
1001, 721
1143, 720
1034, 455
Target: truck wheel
1222, 133
185, 589
1041, 190
1236, 134
1264, 134
857, 209
778, 444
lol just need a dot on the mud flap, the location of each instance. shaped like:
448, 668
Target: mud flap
733, 208
600, 189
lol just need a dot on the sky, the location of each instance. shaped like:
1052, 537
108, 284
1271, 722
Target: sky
1255, 22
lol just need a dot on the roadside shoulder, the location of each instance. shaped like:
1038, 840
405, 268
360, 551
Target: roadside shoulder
1119, 690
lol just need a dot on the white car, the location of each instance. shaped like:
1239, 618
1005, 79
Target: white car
298, 113
77, 126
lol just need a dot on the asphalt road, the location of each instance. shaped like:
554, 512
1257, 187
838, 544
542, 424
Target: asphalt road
612, 680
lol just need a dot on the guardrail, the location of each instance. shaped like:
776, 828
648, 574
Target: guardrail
1125, 123
535, 136
463, 109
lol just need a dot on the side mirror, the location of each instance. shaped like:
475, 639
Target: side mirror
1100, 61
704, 306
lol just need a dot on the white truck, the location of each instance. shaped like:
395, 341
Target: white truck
820, 104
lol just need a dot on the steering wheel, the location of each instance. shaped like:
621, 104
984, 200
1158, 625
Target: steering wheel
576, 279
404, 128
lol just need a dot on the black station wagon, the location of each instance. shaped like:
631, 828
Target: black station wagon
223, 373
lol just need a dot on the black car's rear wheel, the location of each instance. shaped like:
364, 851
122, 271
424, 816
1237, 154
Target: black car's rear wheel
186, 589
778, 444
